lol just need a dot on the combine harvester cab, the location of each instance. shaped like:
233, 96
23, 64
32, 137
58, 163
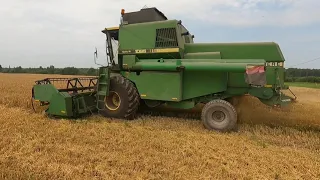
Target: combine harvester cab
159, 65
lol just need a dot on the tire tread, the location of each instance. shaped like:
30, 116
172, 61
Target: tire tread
133, 96
224, 103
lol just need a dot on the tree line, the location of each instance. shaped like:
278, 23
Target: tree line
291, 74
51, 70
302, 75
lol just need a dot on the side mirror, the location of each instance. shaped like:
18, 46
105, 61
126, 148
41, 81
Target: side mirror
95, 57
96, 53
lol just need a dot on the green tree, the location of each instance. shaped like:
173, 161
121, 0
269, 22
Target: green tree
70, 71
18, 69
50, 69
91, 72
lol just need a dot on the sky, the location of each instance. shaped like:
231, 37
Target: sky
64, 33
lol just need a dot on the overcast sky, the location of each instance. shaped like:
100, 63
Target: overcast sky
63, 33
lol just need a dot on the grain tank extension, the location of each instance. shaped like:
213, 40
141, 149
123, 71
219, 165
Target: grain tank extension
159, 64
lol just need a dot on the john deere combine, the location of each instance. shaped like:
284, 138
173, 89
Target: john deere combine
160, 65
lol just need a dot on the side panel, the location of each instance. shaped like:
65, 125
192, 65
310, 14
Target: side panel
268, 51
170, 86
129, 61
201, 83
275, 76
203, 55
44, 92
237, 80
164, 86
61, 105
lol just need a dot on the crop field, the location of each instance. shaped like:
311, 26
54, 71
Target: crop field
304, 84
269, 143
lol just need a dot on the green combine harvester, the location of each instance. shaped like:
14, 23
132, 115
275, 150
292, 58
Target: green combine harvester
159, 65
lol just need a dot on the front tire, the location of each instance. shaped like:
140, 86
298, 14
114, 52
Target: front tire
219, 115
123, 99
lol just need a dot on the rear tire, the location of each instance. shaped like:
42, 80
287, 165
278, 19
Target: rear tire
219, 115
123, 99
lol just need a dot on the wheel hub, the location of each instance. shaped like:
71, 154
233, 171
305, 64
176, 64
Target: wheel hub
218, 116
112, 101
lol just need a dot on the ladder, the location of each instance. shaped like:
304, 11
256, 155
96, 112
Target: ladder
103, 86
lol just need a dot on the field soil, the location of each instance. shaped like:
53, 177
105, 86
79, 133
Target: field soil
269, 144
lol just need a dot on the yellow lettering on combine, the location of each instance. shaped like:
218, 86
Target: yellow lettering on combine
143, 95
142, 51
138, 51
63, 112
166, 50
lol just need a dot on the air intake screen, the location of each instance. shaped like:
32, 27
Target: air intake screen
166, 37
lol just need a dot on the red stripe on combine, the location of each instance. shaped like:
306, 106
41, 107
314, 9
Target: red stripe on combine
255, 69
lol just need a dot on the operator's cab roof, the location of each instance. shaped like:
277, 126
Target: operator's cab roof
142, 16
113, 31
